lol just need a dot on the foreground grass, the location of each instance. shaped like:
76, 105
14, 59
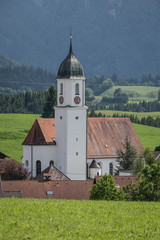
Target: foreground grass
61, 219
13, 130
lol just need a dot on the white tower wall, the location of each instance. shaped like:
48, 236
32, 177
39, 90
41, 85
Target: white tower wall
70, 134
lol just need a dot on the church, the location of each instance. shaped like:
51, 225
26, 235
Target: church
77, 146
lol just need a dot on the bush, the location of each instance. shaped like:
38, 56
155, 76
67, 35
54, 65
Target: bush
105, 189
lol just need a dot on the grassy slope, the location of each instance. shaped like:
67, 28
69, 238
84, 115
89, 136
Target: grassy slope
142, 93
149, 136
13, 130
61, 219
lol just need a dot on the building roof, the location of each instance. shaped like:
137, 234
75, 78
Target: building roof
94, 164
3, 156
42, 132
121, 180
104, 135
74, 189
70, 67
53, 172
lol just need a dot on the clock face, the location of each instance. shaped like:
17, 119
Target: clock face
61, 100
77, 100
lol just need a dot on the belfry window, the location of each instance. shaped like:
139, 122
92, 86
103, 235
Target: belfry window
61, 89
111, 169
76, 89
38, 167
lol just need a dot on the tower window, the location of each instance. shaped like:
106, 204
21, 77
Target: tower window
61, 89
111, 169
77, 117
38, 167
76, 153
76, 89
60, 117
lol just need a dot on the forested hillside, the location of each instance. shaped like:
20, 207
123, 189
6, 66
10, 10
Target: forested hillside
109, 36
21, 77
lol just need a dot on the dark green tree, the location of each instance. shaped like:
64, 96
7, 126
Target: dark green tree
149, 183
149, 157
51, 99
126, 156
105, 189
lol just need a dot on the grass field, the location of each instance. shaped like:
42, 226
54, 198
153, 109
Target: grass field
14, 129
135, 93
23, 219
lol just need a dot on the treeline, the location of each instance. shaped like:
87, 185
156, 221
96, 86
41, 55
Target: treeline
24, 102
145, 80
129, 107
23, 77
149, 121
137, 107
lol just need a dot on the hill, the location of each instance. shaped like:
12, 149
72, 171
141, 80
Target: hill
17, 76
135, 93
108, 36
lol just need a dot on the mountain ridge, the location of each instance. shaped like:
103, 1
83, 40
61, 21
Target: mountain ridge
111, 36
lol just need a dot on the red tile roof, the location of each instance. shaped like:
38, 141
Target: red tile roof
42, 132
104, 135
61, 189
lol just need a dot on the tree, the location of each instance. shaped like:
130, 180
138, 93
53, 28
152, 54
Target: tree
126, 156
149, 183
48, 108
149, 157
105, 189
10, 169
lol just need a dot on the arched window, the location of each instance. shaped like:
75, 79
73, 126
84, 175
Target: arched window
61, 89
111, 169
26, 163
51, 163
38, 167
76, 89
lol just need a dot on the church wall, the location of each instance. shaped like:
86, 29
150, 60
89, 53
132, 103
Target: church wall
43, 153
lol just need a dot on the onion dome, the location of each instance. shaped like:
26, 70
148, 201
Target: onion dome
70, 67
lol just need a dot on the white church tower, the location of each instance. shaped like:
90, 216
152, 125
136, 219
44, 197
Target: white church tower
71, 118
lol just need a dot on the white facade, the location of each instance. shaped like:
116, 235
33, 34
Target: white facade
33, 153
70, 135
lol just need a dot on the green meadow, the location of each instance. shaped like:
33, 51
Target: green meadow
135, 93
14, 129
23, 219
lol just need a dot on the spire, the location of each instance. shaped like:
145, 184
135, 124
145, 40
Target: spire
71, 51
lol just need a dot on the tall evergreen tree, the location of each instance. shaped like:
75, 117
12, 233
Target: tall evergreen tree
48, 108
126, 156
